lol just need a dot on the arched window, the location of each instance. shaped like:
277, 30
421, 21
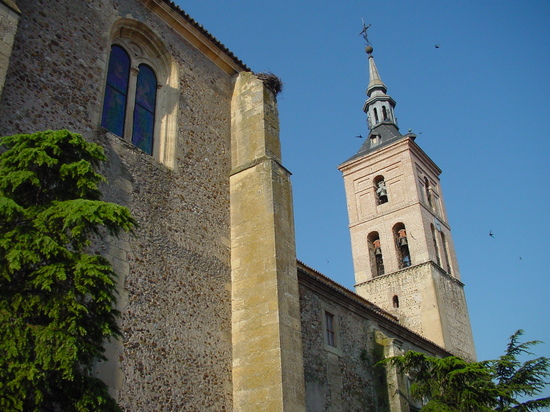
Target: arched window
376, 121
144, 109
116, 91
377, 260
381, 190
385, 113
116, 105
402, 246
436, 246
141, 91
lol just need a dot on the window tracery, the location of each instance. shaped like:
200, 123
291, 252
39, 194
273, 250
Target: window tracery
141, 92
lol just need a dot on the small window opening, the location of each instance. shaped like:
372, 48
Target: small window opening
376, 120
381, 190
329, 324
385, 113
395, 301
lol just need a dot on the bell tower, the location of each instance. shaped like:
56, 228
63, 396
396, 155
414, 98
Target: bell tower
403, 253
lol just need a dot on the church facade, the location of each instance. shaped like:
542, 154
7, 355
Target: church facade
216, 312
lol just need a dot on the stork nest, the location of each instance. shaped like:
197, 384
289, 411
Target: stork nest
271, 81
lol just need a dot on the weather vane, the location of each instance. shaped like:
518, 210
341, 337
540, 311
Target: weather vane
364, 33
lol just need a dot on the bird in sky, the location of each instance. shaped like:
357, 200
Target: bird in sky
491, 234
359, 137
437, 46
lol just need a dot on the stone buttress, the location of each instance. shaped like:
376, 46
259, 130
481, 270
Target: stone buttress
267, 346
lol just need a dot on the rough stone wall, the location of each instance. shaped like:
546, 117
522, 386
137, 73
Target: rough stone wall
345, 378
9, 17
457, 320
176, 347
418, 302
431, 303
336, 382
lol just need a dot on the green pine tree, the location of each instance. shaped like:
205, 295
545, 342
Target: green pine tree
517, 380
56, 300
453, 385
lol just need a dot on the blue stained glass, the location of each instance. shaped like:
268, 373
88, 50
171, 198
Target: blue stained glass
144, 123
144, 110
116, 91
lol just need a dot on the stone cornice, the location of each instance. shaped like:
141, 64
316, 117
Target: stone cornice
195, 34
414, 268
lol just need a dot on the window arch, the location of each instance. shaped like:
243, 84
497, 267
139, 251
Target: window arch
381, 190
116, 91
142, 108
375, 249
402, 246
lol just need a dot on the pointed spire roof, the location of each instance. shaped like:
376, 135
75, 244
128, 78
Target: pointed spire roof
379, 107
375, 82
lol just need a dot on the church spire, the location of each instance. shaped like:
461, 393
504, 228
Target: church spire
375, 82
379, 107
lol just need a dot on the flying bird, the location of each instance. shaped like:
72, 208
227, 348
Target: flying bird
437, 46
359, 137
491, 234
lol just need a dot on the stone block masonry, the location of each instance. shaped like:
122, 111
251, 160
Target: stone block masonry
267, 345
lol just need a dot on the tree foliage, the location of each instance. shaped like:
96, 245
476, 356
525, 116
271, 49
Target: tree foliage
453, 385
56, 300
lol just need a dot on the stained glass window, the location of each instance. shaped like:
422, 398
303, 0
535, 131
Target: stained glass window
116, 92
144, 109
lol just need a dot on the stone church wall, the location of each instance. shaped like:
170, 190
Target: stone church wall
344, 376
175, 352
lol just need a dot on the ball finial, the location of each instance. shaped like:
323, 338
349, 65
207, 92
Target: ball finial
369, 49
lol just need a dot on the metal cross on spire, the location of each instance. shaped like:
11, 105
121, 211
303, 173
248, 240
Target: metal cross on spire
364, 33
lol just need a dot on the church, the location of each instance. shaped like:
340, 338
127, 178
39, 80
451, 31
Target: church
216, 311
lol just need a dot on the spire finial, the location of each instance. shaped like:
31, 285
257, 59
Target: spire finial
364, 34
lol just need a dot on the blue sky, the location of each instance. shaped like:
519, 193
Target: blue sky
479, 104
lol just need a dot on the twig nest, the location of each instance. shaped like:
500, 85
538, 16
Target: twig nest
271, 81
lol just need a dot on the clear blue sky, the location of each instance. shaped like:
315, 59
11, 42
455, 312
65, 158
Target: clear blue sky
481, 102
